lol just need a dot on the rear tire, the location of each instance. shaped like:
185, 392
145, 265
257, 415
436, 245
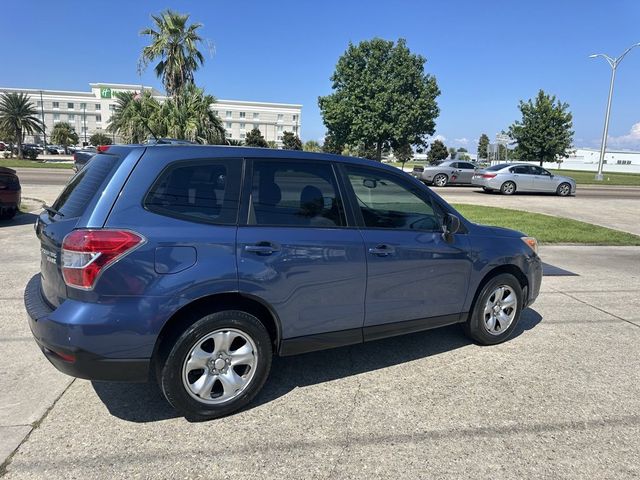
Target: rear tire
496, 310
564, 190
440, 180
508, 188
217, 366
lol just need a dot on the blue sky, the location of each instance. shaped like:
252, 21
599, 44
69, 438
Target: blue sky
485, 55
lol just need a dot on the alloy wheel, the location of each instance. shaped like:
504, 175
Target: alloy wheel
500, 309
440, 180
220, 366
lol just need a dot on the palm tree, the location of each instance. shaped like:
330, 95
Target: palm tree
188, 116
64, 134
18, 117
135, 116
176, 45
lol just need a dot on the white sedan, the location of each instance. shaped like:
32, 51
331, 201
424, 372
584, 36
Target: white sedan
509, 178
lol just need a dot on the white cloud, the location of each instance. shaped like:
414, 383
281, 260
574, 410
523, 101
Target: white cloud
463, 140
630, 140
442, 138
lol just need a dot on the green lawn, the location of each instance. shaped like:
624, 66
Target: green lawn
546, 228
586, 178
16, 162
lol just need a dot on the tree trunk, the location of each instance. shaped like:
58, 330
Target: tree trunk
541, 161
19, 142
379, 151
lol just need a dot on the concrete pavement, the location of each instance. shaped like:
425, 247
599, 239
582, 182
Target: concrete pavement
559, 400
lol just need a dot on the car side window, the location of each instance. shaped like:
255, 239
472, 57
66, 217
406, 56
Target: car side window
467, 166
385, 201
521, 169
539, 171
202, 191
286, 193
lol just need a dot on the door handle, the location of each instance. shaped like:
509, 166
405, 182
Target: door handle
381, 250
262, 248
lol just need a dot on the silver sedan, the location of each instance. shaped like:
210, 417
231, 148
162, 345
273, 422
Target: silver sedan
509, 178
450, 171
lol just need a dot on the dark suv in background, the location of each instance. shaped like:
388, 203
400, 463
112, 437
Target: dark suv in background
193, 265
10, 193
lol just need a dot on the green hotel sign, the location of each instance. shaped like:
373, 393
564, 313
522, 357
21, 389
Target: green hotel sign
105, 92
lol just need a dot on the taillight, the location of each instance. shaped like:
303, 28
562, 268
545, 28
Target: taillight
488, 175
87, 253
75, 157
103, 148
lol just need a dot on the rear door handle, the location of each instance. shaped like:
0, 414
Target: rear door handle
262, 248
381, 250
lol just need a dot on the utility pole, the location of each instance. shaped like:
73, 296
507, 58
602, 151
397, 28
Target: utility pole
44, 126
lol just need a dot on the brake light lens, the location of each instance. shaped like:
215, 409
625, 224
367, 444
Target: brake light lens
87, 253
488, 175
103, 148
532, 242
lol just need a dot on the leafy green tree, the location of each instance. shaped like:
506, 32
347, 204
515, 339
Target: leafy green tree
503, 153
463, 156
290, 141
545, 132
234, 143
437, 152
453, 153
403, 153
175, 45
64, 134
272, 144
331, 145
188, 116
462, 150
255, 139
382, 96
311, 146
135, 117
483, 147
99, 138
18, 117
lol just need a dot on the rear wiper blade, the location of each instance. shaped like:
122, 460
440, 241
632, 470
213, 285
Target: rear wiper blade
52, 211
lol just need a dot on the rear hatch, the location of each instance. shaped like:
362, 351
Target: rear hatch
62, 217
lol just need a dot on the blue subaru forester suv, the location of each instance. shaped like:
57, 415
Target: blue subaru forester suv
193, 265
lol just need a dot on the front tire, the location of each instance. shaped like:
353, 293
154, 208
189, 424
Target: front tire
440, 180
508, 188
217, 366
564, 189
496, 311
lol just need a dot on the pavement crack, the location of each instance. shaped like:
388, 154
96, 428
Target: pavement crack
598, 308
5, 465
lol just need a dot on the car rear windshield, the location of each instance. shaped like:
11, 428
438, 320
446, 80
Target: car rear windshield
75, 197
497, 167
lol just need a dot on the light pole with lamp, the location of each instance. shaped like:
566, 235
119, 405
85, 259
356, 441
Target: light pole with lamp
613, 63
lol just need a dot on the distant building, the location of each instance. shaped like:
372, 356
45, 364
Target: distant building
90, 112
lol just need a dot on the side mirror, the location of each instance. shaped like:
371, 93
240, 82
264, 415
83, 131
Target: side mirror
451, 224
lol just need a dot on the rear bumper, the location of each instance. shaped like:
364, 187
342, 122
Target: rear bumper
534, 278
10, 199
53, 339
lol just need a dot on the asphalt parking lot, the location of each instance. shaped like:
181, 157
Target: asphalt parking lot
559, 400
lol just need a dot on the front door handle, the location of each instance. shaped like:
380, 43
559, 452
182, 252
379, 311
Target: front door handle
381, 250
262, 248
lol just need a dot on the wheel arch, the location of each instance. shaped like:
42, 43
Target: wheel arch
498, 270
188, 314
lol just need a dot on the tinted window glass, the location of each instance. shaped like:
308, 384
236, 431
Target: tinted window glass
81, 189
539, 171
295, 194
469, 166
497, 167
387, 202
203, 191
520, 169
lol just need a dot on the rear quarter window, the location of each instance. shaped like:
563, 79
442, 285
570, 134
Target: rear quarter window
83, 187
206, 191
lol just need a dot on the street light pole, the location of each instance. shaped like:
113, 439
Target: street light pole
613, 63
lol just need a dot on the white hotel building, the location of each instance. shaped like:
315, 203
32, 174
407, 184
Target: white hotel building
89, 112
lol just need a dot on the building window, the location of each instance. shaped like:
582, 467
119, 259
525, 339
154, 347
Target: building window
243, 114
228, 125
98, 106
98, 118
295, 118
56, 104
280, 117
215, 112
71, 117
70, 105
243, 126
228, 114
295, 129
112, 107
227, 134
279, 128
56, 117
256, 116
83, 106
279, 138
243, 135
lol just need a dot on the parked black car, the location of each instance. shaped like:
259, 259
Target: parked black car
81, 157
10, 193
